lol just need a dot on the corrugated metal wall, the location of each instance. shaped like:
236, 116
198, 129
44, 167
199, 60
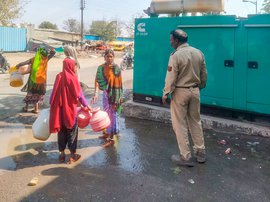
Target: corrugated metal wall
91, 37
13, 39
96, 38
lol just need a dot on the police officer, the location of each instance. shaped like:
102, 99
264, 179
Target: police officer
186, 75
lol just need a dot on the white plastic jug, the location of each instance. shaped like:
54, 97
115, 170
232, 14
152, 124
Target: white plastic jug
41, 125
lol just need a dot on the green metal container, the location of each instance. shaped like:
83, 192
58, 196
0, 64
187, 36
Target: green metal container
236, 52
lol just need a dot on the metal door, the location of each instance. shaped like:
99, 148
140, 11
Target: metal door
217, 42
258, 66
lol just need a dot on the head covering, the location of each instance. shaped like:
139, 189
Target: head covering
43, 51
64, 98
36, 83
39, 67
71, 52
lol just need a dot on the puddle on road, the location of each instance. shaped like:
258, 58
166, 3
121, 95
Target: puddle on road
142, 146
17, 141
12, 135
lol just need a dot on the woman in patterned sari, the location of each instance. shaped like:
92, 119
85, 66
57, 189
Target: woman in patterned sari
109, 80
36, 84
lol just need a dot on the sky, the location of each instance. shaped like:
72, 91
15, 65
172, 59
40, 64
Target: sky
57, 11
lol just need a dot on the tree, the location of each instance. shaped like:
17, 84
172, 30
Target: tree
72, 25
266, 6
10, 10
47, 25
107, 31
129, 26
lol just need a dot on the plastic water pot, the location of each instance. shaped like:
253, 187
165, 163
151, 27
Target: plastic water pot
99, 120
83, 117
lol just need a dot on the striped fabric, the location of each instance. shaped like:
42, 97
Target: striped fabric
109, 79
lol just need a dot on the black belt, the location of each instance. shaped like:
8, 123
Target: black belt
196, 86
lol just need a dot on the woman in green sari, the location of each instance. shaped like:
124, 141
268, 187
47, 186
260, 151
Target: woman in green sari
36, 84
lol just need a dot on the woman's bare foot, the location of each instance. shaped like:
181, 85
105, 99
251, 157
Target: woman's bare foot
104, 136
73, 158
62, 157
108, 143
25, 109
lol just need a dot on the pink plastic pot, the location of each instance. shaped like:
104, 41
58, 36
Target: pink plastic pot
83, 117
99, 120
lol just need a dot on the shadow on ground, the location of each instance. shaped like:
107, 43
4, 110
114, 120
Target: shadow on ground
138, 168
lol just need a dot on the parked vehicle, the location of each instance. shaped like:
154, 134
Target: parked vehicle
117, 45
100, 47
4, 65
127, 61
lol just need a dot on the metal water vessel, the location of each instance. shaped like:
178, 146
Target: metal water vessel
179, 6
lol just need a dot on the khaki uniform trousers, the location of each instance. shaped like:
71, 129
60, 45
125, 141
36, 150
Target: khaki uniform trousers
185, 114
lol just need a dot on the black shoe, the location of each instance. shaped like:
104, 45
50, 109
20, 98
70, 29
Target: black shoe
200, 155
176, 159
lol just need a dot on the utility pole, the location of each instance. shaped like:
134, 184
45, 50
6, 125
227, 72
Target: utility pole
253, 2
82, 8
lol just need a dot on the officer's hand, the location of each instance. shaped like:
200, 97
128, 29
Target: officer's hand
164, 98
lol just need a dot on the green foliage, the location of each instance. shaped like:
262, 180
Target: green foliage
10, 10
266, 6
47, 25
72, 25
107, 31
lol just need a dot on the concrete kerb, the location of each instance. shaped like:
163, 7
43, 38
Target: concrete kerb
160, 114
154, 113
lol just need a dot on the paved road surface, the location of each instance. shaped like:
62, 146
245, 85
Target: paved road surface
137, 168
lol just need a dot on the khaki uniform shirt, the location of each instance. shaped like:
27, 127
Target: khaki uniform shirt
186, 68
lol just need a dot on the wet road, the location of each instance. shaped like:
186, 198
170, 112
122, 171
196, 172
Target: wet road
137, 168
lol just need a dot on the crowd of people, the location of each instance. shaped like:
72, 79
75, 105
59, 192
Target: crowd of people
186, 75
67, 95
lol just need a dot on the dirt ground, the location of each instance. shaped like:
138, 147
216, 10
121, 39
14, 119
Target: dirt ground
17, 57
88, 63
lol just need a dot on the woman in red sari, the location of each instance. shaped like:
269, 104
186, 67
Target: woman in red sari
63, 112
